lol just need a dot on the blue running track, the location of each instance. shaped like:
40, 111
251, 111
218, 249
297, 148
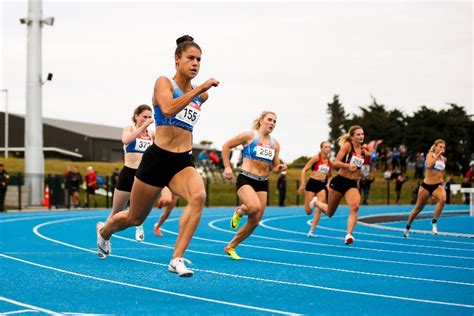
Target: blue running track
49, 265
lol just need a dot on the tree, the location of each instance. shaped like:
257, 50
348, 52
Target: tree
378, 123
337, 118
453, 125
207, 143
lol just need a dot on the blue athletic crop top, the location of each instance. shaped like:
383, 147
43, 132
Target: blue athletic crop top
256, 150
439, 164
139, 144
186, 118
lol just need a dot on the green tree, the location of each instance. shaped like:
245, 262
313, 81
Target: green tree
378, 123
337, 118
453, 125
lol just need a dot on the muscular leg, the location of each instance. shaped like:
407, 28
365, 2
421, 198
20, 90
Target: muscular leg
143, 197
308, 196
317, 215
353, 200
189, 185
440, 194
423, 196
255, 203
333, 202
119, 202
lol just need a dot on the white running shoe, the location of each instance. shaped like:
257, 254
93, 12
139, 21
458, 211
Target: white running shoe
435, 228
139, 233
349, 239
177, 266
311, 204
103, 246
311, 235
406, 233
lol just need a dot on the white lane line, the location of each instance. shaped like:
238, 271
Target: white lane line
20, 311
211, 224
16, 219
263, 224
329, 255
302, 265
150, 288
276, 281
36, 308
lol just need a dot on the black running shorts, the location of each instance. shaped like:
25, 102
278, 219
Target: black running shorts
159, 166
126, 177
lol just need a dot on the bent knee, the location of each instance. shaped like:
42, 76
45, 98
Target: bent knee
253, 208
134, 221
198, 198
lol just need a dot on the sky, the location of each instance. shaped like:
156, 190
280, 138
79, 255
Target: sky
287, 57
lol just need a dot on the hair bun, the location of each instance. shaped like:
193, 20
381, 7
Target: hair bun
184, 38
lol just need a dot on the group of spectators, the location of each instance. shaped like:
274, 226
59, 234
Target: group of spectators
210, 159
74, 181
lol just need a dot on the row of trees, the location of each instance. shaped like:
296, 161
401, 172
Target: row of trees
417, 131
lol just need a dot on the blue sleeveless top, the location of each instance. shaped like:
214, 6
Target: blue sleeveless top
186, 118
256, 150
139, 144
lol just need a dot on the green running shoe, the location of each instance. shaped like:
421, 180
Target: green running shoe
235, 220
232, 253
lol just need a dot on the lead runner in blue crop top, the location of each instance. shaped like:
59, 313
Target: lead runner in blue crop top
168, 162
261, 154
349, 160
435, 165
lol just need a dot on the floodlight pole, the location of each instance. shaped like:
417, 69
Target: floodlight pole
34, 157
6, 121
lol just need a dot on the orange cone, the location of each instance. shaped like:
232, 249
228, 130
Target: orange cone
46, 201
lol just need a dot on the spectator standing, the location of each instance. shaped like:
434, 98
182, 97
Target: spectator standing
447, 188
281, 186
403, 159
399, 181
419, 165
91, 182
74, 182
203, 158
395, 158
4, 177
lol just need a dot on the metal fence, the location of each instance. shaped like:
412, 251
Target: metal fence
57, 195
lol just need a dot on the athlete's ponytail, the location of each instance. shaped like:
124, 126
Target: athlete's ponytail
438, 141
347, 137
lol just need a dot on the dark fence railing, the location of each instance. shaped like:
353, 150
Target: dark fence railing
58, 192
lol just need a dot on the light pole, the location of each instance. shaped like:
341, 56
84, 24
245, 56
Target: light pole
6, 121
34, 157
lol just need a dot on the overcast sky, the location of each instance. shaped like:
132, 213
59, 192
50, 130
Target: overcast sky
291, 58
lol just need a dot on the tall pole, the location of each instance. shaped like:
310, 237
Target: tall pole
34, 158
6, 122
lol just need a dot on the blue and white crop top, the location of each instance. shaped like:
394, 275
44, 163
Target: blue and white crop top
256, 150
186, 118
139, 144
439, 164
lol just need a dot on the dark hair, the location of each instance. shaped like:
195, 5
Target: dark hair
139, 110
183, 43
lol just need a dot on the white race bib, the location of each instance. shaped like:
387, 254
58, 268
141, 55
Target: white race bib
323, 169
190, 114
357, 160
439, 165
265, 152
141, 144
